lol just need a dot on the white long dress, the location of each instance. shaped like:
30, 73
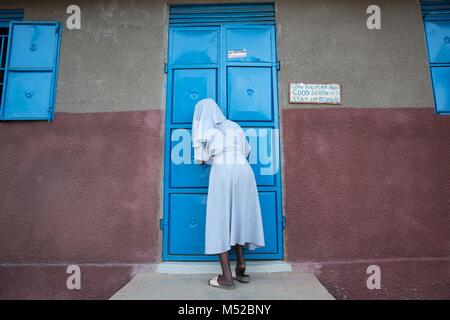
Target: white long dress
233, 213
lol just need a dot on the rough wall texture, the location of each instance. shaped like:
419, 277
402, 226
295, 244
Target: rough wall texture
361, 186
368, 185
400, 279
327, 41
115, 62
83, 189
49, 281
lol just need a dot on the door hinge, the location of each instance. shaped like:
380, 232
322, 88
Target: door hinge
166, 68
278, 65
283, 222
161, 224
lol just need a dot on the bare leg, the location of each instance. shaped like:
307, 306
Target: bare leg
226, 276
240, 263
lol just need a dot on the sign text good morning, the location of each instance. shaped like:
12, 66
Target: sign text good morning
315, 93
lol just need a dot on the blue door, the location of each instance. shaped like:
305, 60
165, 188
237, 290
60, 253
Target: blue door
228, 53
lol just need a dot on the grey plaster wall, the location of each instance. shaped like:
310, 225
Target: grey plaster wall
326, 41
115, 62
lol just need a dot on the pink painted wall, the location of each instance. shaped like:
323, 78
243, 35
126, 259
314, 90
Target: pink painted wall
83, 189
362, 186
369, 186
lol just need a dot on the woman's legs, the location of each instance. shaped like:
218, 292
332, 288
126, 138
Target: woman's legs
226, 276
240, 263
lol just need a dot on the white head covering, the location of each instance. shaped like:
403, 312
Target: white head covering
207, 115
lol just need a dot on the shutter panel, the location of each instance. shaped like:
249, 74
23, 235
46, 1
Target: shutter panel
436, 16
435, 10
10, 15
31, 71
210, 14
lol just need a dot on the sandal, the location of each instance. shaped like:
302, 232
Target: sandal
241, 276
214, 282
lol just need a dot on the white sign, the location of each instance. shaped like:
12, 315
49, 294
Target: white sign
315, 93
237, 53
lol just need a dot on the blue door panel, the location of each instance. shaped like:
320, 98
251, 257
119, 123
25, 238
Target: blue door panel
250, 94
441, 80
187, 235
438, 38
256, 42
263, 155
183, 171
194, 46
29, 93
33, 46
190, 86
268, 204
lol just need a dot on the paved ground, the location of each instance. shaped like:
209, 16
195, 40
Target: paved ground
280, 285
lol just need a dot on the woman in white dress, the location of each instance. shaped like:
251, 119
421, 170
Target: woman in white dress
233, 213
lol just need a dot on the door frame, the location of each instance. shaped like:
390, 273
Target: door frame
275, 124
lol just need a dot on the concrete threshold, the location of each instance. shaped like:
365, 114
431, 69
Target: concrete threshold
213, 267
262, 286
270, 280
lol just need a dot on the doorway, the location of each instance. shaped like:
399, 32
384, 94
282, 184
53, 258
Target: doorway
226, 52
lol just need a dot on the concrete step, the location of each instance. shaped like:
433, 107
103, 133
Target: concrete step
154, 285
213, 267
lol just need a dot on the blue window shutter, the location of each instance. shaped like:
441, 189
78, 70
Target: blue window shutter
436, 16
31, 71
